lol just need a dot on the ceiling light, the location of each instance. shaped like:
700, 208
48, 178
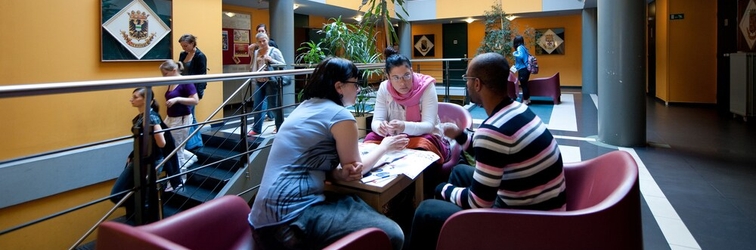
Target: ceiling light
469, 20
230, 14
511, 17
296, 6
358, 18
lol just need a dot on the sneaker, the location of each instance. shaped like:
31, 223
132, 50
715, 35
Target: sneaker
170, 189
252, 133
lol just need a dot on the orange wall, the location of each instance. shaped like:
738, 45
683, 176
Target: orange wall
431, 68
662, 50
453, 8
693, 65
568, 65
62, 53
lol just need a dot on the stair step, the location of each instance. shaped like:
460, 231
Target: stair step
209, 155
218, 139
210, 177
189, 196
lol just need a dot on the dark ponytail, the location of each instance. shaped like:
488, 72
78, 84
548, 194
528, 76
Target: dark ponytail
153, 104
394, 59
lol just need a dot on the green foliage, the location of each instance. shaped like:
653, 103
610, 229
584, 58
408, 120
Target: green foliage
313, 53
499, 33
377, 14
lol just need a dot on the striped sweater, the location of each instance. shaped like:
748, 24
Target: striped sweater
518, 164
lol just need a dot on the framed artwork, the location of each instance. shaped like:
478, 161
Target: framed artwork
135, 30
424, 45
241, 36
549, 41
224, 43
241, 50
746, 25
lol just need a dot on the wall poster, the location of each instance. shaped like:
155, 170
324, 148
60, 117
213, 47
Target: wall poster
135, 30
424, 45
549, 41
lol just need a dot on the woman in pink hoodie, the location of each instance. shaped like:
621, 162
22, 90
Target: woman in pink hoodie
406, 103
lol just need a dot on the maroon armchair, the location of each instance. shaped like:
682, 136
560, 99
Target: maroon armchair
603, 212
365, 239
450, 112
513, 88
217, 224
546, 86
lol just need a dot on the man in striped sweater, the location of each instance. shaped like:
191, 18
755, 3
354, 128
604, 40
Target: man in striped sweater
518, 163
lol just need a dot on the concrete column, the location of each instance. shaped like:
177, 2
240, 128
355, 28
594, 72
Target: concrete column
282, 31
621, 72
590, 52
405, 39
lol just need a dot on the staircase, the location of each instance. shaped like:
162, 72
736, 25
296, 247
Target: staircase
222, 161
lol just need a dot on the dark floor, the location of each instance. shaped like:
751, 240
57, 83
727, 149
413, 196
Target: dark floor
703, 162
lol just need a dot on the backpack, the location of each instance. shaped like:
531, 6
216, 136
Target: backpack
532, 64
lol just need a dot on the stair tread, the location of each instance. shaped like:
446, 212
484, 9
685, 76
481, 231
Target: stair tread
196, 193
217, 153
215, 173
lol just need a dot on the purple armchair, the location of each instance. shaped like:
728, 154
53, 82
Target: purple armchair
450, 112
217, 224
603, 212
546, 86
365, 239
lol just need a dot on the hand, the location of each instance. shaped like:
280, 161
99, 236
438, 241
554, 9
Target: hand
171, 102
397, 127
348, 172
450, 129
395, 143
383, 129
268, 58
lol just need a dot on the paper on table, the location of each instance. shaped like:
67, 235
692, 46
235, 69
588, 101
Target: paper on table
411, 163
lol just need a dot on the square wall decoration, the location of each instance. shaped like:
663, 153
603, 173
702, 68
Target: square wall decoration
549, 41
424, 45
135, 30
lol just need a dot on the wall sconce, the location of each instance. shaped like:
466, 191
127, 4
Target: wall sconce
230, 14
511, 17
469, 20
358, 18
296, 6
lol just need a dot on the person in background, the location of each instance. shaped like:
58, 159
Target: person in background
521, 64
406, 103
517, 161
261, 28
267, 87
161, 146
195, 63
317, 142
179, 98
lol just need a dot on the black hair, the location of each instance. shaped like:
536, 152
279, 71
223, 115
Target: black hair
326, 74
394, 59
517, 41
493, 71
153, 104
189, 38
261, 25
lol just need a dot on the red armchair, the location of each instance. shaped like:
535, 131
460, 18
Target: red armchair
217, 224
450, 112
546, 86
603, 212
365, 239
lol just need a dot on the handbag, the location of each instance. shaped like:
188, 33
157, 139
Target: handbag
194, 142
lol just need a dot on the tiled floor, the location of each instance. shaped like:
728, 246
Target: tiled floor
698, 172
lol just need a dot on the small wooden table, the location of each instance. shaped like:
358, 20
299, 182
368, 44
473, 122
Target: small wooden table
377, 197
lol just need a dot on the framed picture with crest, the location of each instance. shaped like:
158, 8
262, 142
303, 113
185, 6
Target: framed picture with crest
136, 30
549, 41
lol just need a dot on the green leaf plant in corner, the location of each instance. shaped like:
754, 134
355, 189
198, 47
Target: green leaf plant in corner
499, 33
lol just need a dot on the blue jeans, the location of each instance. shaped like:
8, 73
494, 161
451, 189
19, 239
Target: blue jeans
326, 222
266, 91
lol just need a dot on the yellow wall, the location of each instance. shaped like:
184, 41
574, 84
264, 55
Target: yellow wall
61, 232
68, 49
662, 49
453, 8
568, 65
692, 48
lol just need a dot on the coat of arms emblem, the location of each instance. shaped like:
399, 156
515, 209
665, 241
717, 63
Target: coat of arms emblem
138, 30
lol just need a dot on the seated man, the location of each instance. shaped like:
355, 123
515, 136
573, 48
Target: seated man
518, 163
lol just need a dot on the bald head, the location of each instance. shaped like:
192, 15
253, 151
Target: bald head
493, 71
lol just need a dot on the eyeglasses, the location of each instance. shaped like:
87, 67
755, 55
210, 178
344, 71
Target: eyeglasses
465, 77
406, 77
356, 84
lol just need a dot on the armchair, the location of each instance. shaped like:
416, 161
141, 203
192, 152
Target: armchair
365, 239
603, 212
450, 112
546, 86
217, 224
